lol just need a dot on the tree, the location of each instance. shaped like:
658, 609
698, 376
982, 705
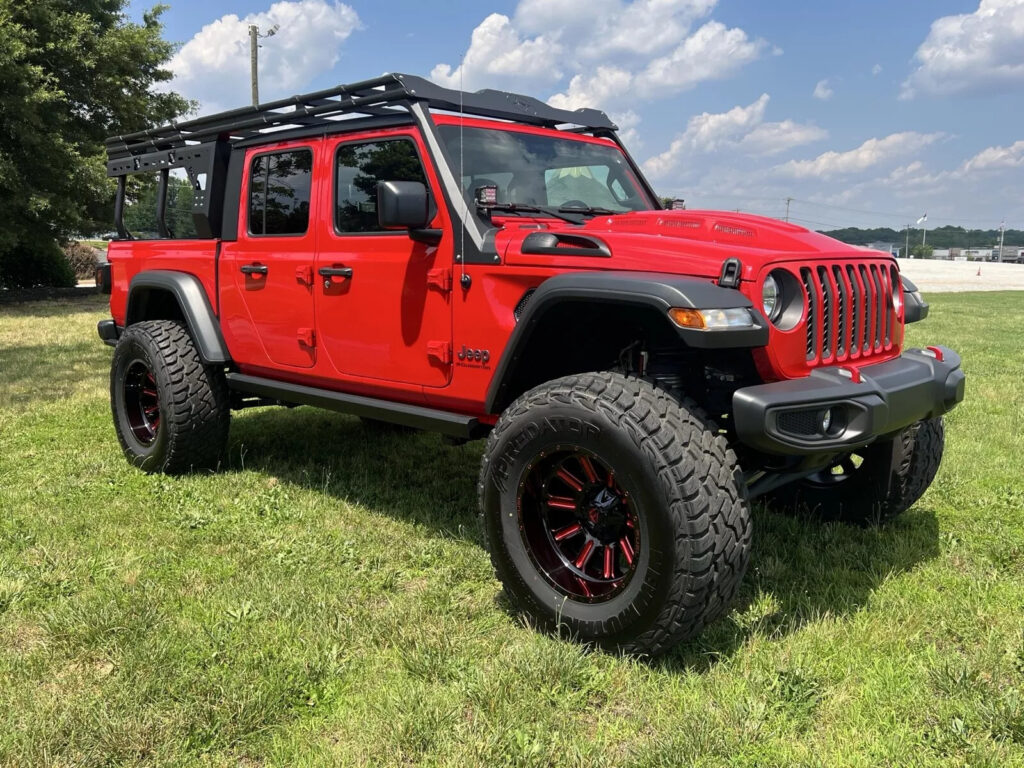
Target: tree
920, 251
72, 73
140, 213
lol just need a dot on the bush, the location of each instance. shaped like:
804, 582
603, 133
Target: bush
39, 263
83, 259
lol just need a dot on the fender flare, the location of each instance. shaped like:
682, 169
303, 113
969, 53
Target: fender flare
194, 304
656, 291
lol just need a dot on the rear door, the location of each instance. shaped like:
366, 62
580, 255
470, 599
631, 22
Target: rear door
383, 301
267, 275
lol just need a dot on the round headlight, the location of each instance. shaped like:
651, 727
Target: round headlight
770, 299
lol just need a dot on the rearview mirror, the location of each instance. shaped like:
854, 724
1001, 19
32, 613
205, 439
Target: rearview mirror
402, 204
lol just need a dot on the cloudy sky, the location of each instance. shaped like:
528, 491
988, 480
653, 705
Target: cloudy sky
865, 114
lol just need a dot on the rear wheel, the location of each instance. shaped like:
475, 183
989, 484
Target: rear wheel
873, 484
170, 411
615, 511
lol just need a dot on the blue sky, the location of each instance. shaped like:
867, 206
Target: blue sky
866, 114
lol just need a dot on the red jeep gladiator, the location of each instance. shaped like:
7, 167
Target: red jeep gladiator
485, 265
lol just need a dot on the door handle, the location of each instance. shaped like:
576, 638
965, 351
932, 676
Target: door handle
329, 272
254, 269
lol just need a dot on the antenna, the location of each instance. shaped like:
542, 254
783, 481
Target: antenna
464, 279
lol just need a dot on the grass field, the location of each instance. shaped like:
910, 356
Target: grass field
325, 599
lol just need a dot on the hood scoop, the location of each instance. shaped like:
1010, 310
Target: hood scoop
564, 244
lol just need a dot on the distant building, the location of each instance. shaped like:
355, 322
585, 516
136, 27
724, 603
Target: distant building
942, 253
977, 254
1009, 253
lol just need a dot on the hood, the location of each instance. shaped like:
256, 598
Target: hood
678, 242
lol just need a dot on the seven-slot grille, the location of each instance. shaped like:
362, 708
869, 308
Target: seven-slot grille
850, 310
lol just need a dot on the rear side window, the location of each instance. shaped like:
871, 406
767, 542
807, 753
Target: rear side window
279, 187
358, 168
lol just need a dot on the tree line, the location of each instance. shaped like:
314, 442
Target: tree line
940, 237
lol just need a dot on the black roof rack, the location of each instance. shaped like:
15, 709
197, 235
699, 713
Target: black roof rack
203, 146
378, 96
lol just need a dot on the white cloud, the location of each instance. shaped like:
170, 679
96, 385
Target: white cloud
213, 66
822, 91
598, 29
497, 50
741, 129
713, 52
869, 154
876, 70
980, 51
619, 50
773, 138
996, 158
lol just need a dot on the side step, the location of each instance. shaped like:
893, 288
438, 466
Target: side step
418, 417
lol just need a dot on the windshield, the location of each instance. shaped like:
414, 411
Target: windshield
546, 171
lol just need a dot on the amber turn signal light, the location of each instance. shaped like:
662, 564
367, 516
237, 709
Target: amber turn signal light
687, 318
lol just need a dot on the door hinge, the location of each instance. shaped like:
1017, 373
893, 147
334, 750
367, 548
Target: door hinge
440, 351
307, 337
304, 274
440, 279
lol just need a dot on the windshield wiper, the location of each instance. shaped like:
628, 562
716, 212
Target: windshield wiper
524, 208
588, 210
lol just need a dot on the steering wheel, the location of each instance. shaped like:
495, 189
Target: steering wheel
579, 204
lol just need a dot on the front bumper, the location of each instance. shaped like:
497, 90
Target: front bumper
786, 417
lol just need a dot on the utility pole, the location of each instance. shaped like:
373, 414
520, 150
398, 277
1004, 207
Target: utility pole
1002, 233
254, 46
906, 254
788, 201
254, 77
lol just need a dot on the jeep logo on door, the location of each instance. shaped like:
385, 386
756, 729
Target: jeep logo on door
473, 357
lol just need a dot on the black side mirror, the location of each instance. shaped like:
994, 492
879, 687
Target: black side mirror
402, 204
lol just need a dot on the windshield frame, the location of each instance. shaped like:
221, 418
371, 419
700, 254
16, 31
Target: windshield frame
646, 198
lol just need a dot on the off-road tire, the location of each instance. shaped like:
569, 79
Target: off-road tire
194, 409
894, 474
688, 490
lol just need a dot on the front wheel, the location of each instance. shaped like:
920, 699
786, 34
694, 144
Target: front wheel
871, 485
615, 511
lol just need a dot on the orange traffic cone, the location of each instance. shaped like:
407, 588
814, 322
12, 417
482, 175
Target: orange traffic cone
979, 270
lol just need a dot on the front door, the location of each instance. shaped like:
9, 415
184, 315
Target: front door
383, 301
270, 267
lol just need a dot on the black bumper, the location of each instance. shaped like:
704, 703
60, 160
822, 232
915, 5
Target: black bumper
786, 417
109, 332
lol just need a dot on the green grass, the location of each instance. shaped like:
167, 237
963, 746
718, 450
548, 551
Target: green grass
101, 244
325, 599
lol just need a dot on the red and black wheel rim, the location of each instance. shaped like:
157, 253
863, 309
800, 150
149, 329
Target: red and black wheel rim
579, 524
141, 402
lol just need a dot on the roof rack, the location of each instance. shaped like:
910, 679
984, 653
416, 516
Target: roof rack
378, 96
203, 146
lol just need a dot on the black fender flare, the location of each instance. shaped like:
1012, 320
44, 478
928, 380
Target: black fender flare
640, 289
194, 304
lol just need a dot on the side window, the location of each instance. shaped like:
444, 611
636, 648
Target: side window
279, 188
358, 168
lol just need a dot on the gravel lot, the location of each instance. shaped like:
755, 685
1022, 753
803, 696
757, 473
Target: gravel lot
941, 276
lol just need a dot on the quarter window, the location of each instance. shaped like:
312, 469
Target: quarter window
279, 187
358, 168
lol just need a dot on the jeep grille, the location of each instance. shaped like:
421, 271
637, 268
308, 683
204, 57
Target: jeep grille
850, 311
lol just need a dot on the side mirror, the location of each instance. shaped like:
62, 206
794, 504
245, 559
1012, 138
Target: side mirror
402, 205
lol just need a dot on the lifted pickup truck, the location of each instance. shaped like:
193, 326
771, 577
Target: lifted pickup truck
485, 265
